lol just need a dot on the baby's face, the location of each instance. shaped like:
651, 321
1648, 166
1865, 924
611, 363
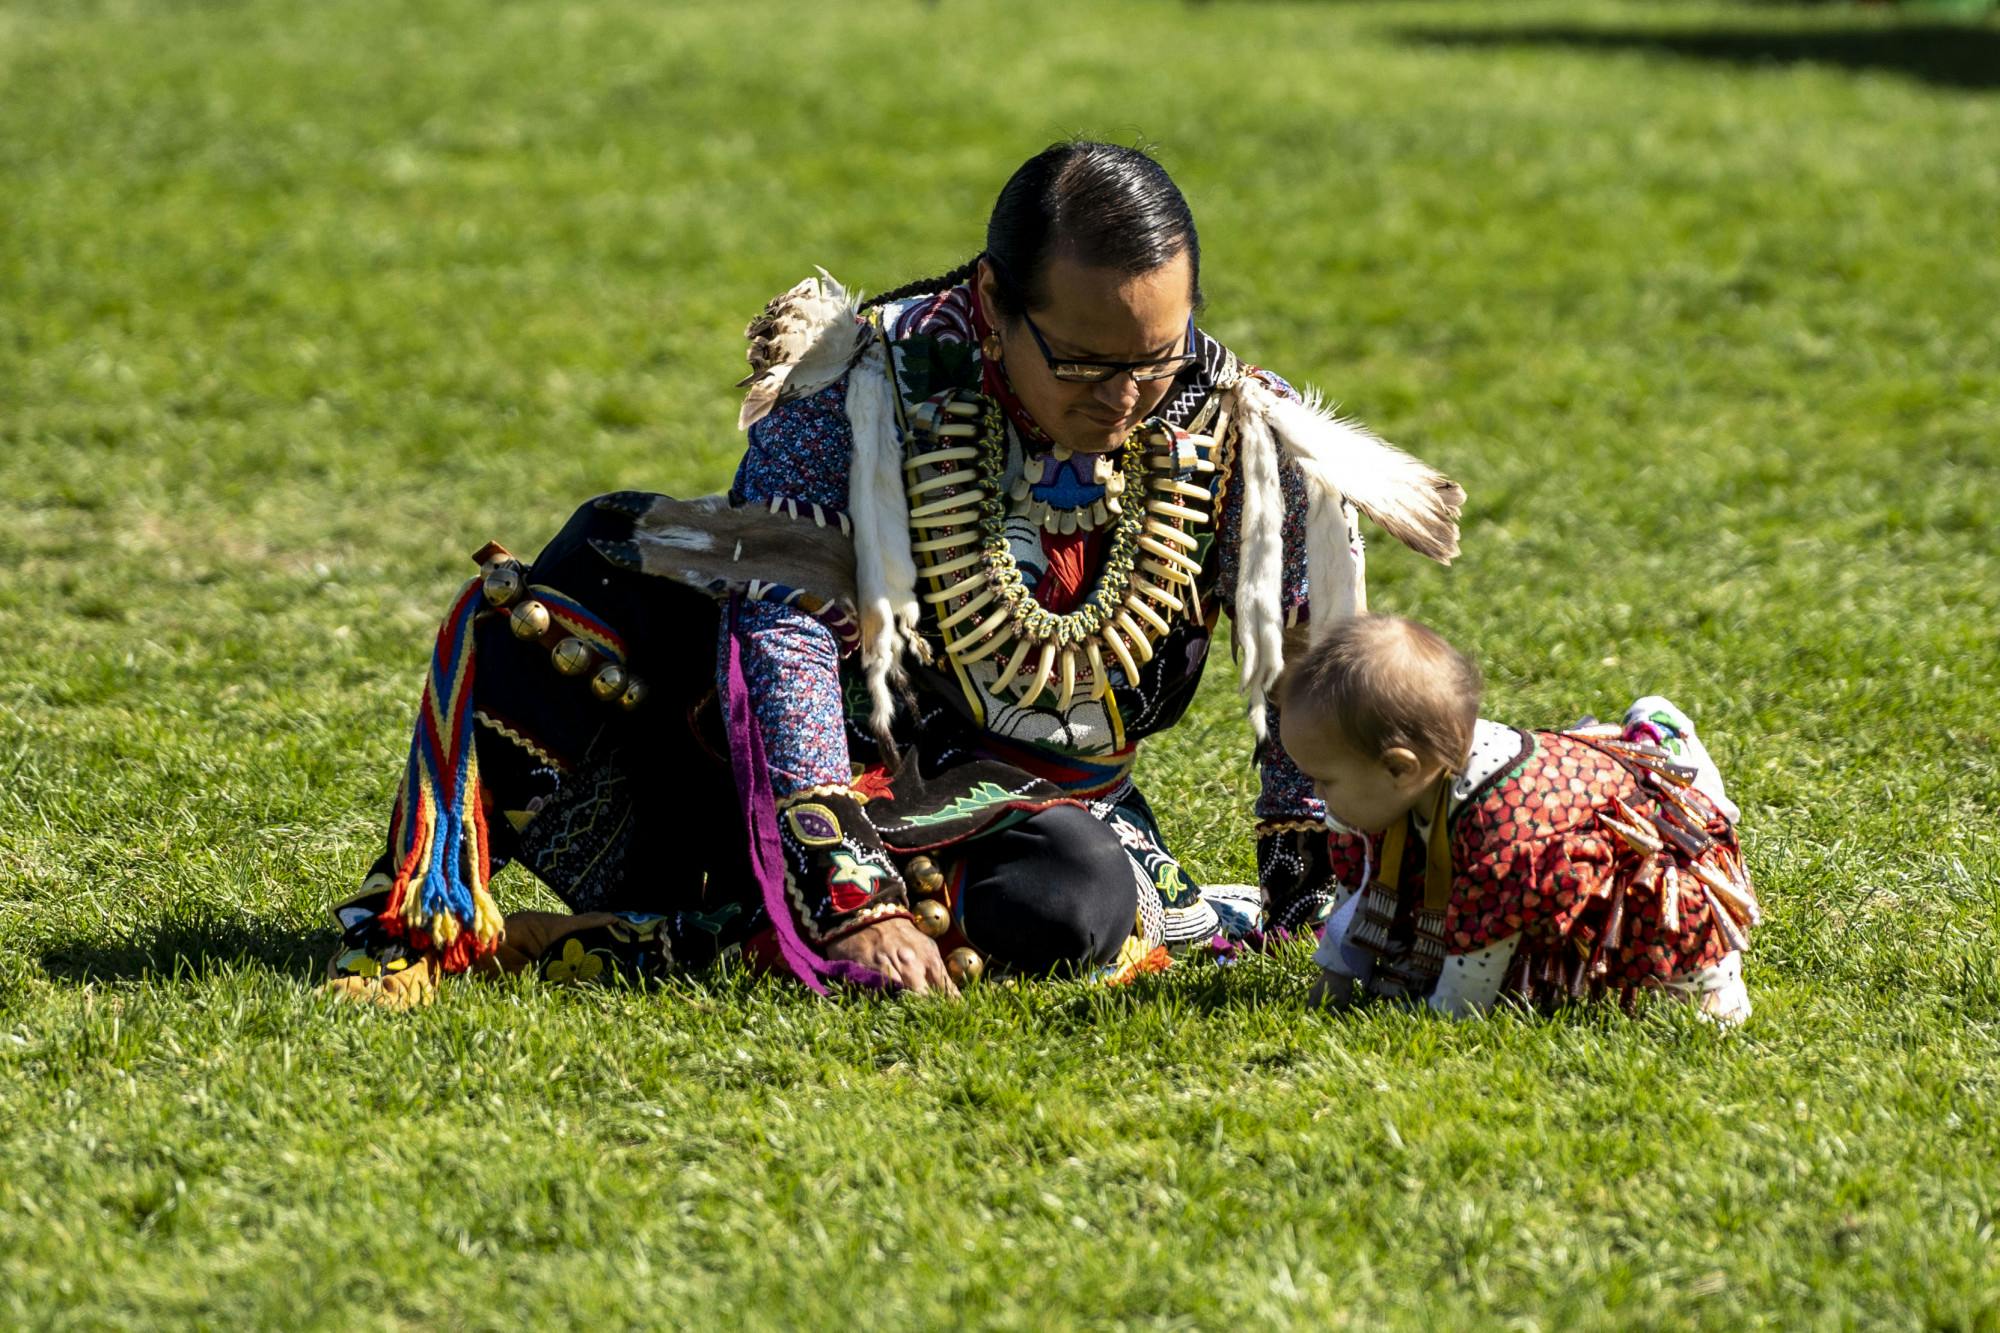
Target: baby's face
1361, 791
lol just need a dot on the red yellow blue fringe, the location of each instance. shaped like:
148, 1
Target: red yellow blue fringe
438, 899
1135, 959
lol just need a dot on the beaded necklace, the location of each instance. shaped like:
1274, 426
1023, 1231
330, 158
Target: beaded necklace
958, 517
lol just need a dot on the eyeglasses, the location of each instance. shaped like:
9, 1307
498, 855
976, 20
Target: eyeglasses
1096, 372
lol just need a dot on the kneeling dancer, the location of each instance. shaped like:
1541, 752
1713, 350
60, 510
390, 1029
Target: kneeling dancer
872, 716
1546, 865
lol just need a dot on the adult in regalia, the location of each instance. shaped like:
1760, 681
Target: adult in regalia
872, 716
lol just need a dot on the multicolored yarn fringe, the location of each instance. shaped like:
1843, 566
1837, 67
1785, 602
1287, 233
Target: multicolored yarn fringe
1135, 959
438, 898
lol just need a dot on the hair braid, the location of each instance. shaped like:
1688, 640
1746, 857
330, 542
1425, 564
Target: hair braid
922, 286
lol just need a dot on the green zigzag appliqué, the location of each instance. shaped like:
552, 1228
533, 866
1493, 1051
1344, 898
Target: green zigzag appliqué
983, 797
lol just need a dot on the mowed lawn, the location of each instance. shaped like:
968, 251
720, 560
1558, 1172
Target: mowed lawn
299, 304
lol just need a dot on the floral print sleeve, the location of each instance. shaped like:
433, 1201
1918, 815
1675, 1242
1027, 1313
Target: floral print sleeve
799, 453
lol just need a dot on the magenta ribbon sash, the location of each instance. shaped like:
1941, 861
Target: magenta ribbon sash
760, 818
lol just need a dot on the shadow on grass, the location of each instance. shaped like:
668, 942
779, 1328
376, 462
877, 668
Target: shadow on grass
190, 948
1946, 55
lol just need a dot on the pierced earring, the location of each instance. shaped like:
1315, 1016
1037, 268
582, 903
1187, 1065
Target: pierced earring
990, 348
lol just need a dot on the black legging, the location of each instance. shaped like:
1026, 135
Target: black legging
1054, 890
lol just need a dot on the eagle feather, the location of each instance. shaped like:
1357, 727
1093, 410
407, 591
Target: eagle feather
804, 340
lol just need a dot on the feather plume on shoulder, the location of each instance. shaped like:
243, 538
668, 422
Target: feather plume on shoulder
1412, 501
803, 341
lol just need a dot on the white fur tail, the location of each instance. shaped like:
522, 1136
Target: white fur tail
1414, 502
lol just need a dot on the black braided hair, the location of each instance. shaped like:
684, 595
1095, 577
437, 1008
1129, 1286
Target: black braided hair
924, 286
1102, 204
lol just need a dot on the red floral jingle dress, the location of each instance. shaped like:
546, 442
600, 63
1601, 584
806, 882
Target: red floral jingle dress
1612, 870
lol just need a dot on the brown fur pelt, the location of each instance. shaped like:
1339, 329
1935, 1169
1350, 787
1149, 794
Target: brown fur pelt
707, 544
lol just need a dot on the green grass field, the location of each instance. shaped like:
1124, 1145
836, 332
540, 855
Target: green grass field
299, 304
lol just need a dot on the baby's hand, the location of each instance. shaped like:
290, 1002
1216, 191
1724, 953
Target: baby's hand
1333, 990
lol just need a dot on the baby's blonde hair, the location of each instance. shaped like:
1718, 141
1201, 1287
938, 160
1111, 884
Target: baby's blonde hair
1382, 682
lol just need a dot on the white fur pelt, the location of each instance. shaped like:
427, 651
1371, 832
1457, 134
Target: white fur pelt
885, 572
1260, 569
1414, 502
1346, 467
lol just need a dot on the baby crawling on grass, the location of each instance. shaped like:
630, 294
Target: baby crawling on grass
1547, 865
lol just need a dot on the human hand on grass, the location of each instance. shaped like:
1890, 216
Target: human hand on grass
899, 951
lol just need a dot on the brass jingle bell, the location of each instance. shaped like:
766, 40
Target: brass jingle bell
965, 966
572, 657
530, 620
609, 683
933, 917
503, 585
635, 694
924, 875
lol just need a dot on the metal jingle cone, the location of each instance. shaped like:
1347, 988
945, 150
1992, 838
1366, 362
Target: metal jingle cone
1725, 924
964, 966
1741, 907
572, 657
1613, 936
530, 620
609, 683
933, 917
503, 585
923, 875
